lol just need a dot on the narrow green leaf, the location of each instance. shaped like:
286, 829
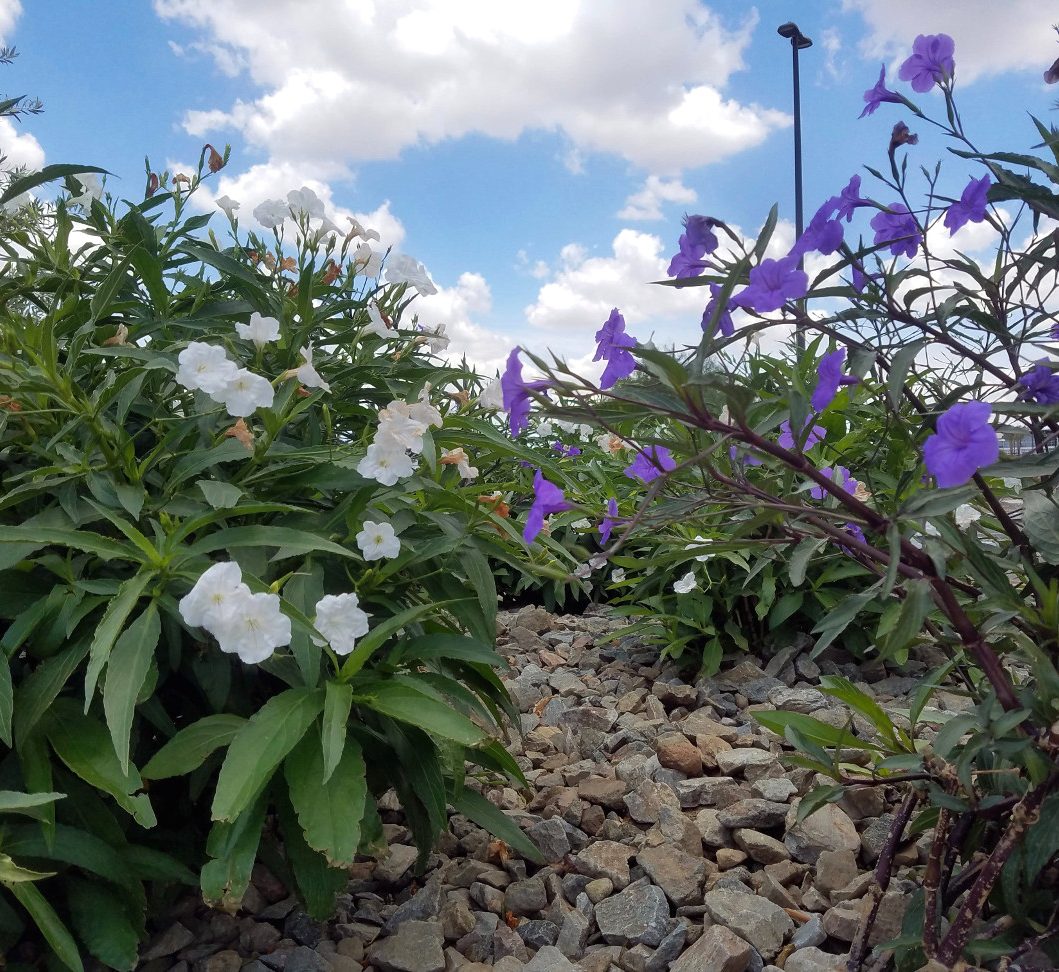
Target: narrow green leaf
232, 848
818, 797
40, 689
48, 174
99, 918
338, 699
110, 626
800, 558
367, 645
845, 691
129, 663
7, 701
476, 807
420, 709
188, 749
11, 801
220, 495
812, 729
55, 933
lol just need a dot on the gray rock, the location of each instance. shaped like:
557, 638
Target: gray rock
678, 874
835, 869
672, 694
753, 813
828, 828
668, 949
646, 801
739, 760
756, 920
538, 933
305, 959
457, 920
761, 847
526, 897
779, 789
416, 946
709, 791
718, 950
303, 929
713, 832
550, 838
811, 933
171, 941
589, 717
425, 904
842, 921
804, 700
550, 959
813, 960
638, 915
393, 866
573, 936
606, 859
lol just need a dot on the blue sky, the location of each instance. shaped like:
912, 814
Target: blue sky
537, 157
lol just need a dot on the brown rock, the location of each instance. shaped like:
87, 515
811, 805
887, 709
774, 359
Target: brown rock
761, 847
675, 751
835, 869
605, 859
701, 723
678, 874
828, 828
717, 950
729, 857
605, 791
710, 746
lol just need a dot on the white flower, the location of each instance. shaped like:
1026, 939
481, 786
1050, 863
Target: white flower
966, 515
582, 571
401, 268
697, 545
253, 627
398, 423
271, 213
582, 524
596, 562
20, 201
245, 393
341, 621
356, 229
329, 226
91, 188
617, 575
260, 329
609, 442
376, 323
228, 205
585, 431
437, 339
423, 411
305, 201
459, 459
207, 602
492, 395
205, 367
368, 263
377, 540
545, 429
686, 583
307, 374
386, 461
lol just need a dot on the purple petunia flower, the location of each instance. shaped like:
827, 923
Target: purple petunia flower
516, 393
609, 522
788, 441
860, 278
931, 61
848, 200
613, 342
898, 228
828, 378
547, 499
856, 532
724, 319
970, 207
1041, 384
823, 234
566, 450
963, 444
746, 458
650, 463
772, 282
840, 476
874, 97
695, 242
699, 231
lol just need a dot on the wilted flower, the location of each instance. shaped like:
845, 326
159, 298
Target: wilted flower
931, 61
340, 619
246, 393
772, 283
901, 136
897, 227
547, 499
848, 200
205, 367
650, 463
686, 584
582, 571
964, 443
823, 235
118, 338
356, 229
259, 329
228, 205
378, 540
875, 96
516, 393
581, 524
401, 268
609, 442
214, 160
436, 338
459, 459
241, 433
971, 206
307, 374
695, 242
377, 323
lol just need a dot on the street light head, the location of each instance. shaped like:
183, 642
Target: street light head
797, 38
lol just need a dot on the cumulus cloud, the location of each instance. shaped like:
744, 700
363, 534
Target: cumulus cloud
647, 203
347, 83
991, 37
9, 13
19, 148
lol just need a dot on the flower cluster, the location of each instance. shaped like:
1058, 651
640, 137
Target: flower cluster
697, 240
612, 346
393, 453
207, 368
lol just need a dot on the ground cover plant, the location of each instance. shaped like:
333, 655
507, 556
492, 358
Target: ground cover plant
877, 449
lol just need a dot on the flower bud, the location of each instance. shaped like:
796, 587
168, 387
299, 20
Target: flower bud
902, 136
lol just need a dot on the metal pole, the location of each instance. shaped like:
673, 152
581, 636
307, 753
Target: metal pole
798, 42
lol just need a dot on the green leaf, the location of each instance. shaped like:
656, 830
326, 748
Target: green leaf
188, 749
83, 540
318, 883
220, 495
812, 729
233, 849
367, 645
899, 368
476, 807
799, 561
952, 731
329, 812
48, 174
12, 801
845, 691
1040, 518
839, 618
7, 701
129, 663
110, 626
338, 699
1041, 842
480, 577
99, 918
293, 542
55, 933
260, 746
12, 873
40, 689
818, 797
86, 748
103, 299
409, 704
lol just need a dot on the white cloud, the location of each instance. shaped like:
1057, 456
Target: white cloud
455, 307
991, 37
20, 148
9, 13
647, 203
366, 80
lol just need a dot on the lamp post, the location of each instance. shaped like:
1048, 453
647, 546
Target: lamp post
798, 43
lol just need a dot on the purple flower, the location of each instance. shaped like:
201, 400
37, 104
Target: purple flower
650, 463
1054, 333
746, 458
1041, 384
823, 234
898, 228
840, 476
856, 532
516, 393
828, 378
931, 62
848, 200
609, 522
566, 450
695, 242
612, 343
963, 444
547, 499
772, 282
874, 97
787, 440
724, 319
970, 207
860, 278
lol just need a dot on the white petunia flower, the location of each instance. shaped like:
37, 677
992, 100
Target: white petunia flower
398, 424
328, 226
436, 338
401, 268
617, 575
253, 628
205, 605
246, 393
271, 213
545, 429
356, 229
698, 545
91, 188
228, 205
306, 201
966, 515
582, 571
424, 412
341, 621
377, 540
376, 323
596, 562
366, 261
307, 374
686, 583
582, 524
205, 367
492, 395
386, 461
260, 329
